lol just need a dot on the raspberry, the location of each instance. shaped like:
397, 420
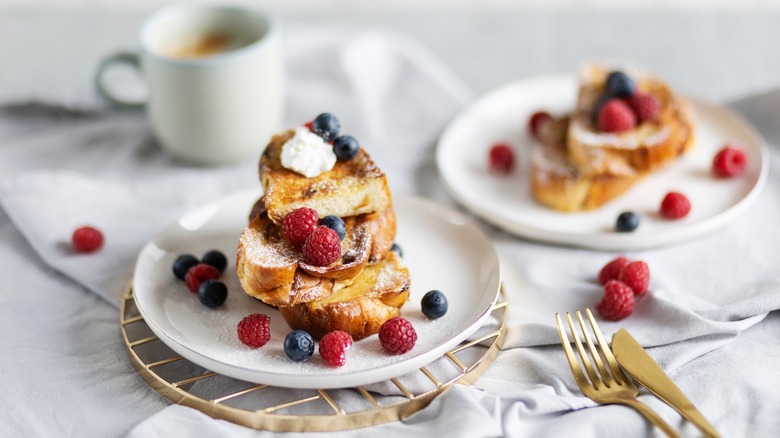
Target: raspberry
198, 274
334, 346
87, 239
675, 206
645, 107
254, 330
397, 335
501, 158
322, 247
729, 161
616, 116
618, 301
536, 121
636, 275
299, 223
308, 125
611, 270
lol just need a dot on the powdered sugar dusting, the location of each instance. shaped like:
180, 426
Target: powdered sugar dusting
628, 140
552, 160
389, 277
261, 252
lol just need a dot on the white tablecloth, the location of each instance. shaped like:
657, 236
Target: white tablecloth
709, 317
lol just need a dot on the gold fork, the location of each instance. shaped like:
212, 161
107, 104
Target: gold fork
604, 387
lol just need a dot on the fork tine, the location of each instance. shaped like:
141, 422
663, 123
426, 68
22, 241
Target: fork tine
583, 355
579, 377
606, 377
613, 365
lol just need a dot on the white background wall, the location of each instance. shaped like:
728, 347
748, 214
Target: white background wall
293, 5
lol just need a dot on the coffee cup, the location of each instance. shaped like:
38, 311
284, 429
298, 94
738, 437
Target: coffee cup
215, 81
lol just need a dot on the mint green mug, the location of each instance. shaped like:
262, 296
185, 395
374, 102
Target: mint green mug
215, 80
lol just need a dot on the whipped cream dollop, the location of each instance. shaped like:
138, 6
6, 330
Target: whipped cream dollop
307, 153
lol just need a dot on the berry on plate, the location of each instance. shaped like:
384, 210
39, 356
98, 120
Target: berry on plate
729, 161
397, 335
322, 247
636, 275
299, 345
254, 330
645, 107
299, 223
87, 239
615, 116
611, 270
345, 147
216, 259
675, 206
627, 221
536, 121
397, 248
501, 158
182, 264
327, 126
334, 346
212, 293
618, 301
620, 84
336, 224
198, 274
434, 304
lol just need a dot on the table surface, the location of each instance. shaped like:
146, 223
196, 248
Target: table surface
714, 55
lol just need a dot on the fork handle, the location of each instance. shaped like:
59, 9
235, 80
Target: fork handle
653, 417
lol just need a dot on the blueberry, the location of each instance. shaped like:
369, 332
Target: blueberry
434, 304
336, 224
345, 147
299, 345
326, 125
215, 259
183, 264
620, 84
627, 221
397, 249
212, 293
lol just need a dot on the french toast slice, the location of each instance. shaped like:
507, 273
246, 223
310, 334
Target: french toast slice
558, 184
358, 308
353, 187
272, 269
648, 146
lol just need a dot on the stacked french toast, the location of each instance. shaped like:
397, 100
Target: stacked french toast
354, 289
627, 123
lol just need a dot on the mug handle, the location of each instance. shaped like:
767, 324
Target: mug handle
127, 58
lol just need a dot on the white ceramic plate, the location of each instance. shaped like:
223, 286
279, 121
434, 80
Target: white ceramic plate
442, 249
506, 202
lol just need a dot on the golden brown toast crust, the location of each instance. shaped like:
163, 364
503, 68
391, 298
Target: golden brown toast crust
353, 187
557, 183
271, 269
643, 149
359, 308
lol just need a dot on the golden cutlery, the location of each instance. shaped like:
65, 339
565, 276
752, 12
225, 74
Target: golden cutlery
641, 366
604, 387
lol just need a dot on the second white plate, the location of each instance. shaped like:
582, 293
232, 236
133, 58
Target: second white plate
442, 248
506, 202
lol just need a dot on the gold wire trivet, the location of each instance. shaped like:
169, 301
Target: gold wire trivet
175, 378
